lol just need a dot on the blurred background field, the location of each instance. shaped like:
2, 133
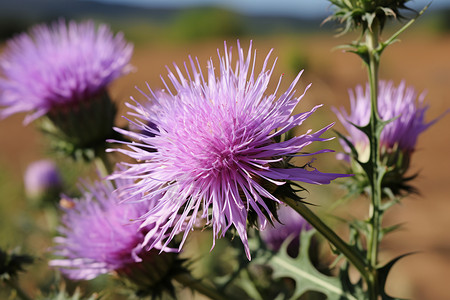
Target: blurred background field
163, 35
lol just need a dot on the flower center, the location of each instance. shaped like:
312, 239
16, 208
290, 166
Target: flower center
222, 160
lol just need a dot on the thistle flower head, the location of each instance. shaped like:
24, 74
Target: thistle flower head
217, 153
398, 139
59, 67
99, 234
402, 104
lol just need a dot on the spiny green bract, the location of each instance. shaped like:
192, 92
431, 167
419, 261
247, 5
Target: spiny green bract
363, 13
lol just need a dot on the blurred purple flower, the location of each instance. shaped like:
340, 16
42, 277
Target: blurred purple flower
99, 234
400, 102
219, 154
42, 179
292, 224
59, 66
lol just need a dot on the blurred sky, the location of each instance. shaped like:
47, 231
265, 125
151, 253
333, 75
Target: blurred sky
295, 8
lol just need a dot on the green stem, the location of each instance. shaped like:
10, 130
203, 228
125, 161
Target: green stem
20, 293
352, 256
375, 174
376, 171
394, 37
196, 284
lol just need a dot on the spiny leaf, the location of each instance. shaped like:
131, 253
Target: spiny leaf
383, 273
356, 289
390, 229
390, 202
11, 263
247, 285
306, 276
349, 144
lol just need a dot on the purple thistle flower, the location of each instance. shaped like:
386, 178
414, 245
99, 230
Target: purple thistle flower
217, 153
393, 102
398, 139
60, 66
42, 180
99, 234
292, 224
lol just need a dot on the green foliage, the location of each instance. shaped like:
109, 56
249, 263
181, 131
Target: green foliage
362, 13
62, 294
198, 24
297, 60
305, 274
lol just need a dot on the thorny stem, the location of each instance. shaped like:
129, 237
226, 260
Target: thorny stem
197, 285
375, 174
352, 256
394, 37
376, 171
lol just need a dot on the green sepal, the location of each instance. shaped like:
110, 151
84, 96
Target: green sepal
152, 277
361, 13
80, 130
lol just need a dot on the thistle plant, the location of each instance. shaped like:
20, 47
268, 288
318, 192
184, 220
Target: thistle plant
405, 111
384, 159
100, 236
60, 74
214, 151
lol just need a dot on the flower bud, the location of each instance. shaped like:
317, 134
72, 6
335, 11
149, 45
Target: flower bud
406, 112
364, 13
81, 129
43, 182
